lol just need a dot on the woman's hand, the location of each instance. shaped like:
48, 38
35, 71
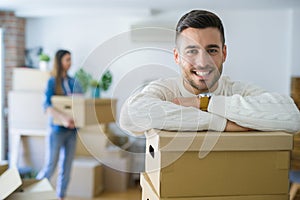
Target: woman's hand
68, 122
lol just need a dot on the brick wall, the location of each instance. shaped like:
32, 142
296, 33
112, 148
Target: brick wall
14, 50
14, 41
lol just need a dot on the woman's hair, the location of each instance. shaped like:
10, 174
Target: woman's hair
200, 19
57, 70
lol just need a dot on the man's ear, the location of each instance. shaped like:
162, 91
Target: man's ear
224, 52
176, 55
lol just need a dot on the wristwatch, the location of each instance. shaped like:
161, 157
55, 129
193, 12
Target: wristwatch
204, 101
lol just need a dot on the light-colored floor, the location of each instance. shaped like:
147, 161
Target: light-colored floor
130, 194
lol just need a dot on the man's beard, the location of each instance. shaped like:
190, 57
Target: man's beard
204, 85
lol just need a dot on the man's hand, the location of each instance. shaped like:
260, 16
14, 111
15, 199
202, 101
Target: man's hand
231, 126
187, 101
195, 102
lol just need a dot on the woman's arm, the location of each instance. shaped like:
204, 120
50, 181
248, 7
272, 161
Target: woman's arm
67, 121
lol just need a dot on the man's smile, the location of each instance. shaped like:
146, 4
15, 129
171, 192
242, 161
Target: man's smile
202, 74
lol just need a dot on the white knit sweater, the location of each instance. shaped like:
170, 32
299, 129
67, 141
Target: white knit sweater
247, 105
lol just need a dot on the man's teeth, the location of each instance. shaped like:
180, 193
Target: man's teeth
201, 73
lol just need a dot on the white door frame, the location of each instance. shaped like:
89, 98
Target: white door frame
2, 128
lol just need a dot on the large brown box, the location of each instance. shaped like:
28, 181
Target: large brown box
246, 163
295, 90
148, 193
85, 111
295, 158
86, 178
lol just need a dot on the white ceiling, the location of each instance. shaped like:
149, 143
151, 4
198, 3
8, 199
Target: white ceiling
42, 8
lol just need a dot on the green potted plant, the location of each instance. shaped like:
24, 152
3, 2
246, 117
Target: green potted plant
103, 84
44, 60
84, 79
95, 86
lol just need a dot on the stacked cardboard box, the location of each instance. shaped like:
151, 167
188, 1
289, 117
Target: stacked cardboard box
95, 142
215, 166
86, 178
295, 159
26, 117
295, 90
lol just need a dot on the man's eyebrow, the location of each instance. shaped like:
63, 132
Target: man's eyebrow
192, 47
213, 46
198, 47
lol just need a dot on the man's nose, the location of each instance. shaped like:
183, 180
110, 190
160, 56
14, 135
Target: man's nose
203, 59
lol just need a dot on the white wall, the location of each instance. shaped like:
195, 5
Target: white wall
295, 42
259, 46
78, 34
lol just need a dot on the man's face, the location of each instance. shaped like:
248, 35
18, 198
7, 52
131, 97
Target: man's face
201, 55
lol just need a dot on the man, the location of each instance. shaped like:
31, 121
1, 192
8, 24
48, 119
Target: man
202, 99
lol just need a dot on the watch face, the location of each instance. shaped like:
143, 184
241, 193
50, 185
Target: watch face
205, 95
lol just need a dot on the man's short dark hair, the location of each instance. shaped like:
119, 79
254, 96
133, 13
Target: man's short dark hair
200, 19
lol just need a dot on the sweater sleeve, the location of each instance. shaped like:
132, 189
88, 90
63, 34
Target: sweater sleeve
152, 108
254, 108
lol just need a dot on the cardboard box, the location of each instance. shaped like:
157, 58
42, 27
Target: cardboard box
116, 179
26, 110
3, 166
26, 79
91, 140
85, 111
252, 163
148, 193
86, 178
13, 188
295, 159
296, 141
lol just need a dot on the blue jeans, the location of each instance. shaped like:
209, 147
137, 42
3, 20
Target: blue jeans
62, 145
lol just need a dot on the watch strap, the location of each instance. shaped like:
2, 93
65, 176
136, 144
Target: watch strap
204, 101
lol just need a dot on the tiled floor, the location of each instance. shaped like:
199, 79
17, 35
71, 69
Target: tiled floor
131, 194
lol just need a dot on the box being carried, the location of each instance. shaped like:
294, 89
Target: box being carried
232, 164
85, 111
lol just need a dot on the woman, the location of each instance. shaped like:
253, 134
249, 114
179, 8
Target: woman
61, 138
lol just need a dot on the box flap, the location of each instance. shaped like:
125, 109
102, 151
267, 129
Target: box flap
145, 181
33, 189
10, 180
36, 185
46, 195
220, 141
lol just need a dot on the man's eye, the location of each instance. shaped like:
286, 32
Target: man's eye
212, 51
192, 51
